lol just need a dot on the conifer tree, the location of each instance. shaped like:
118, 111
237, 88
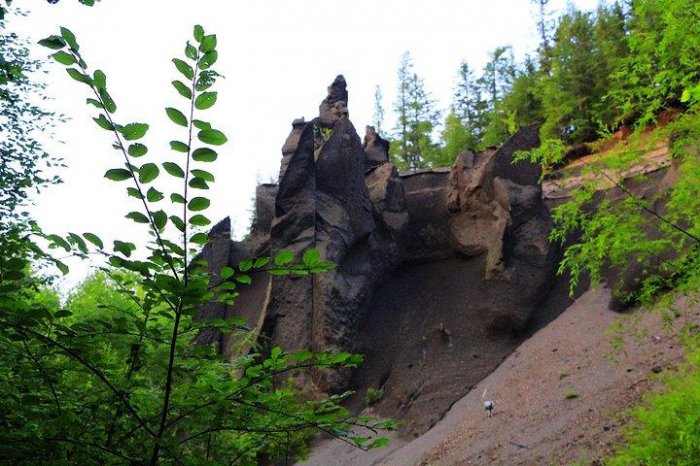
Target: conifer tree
544, 28
378, 117
417, 117
496, 82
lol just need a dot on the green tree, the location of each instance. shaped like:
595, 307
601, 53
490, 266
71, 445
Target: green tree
586, 50
378, 117
664, 46
544, 28
496, 82
417, 118
456, 138
468, 104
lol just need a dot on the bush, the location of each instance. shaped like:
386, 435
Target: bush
666, 429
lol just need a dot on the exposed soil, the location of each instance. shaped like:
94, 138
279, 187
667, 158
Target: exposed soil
560, 397
425, 341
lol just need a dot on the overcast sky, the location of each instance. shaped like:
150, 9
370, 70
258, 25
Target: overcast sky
278, 57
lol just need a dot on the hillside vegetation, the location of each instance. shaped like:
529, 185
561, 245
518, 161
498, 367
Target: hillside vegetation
112, 375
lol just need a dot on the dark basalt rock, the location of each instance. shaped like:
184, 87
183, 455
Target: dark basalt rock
389, 233
335, 106
376, 149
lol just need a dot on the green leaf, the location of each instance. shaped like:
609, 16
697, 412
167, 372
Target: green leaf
184, 68
69, 37
244, 279
208, 59
160, 218
199, 238
94, 239
205, 175
95, 102
179, 146
103, 122
137, 217
177, 221
199, 124
124, 248
53, 42
148, 172
284, 257
78, 76
685, 96
205, 100
208, 43
153, 195
107, 99
225, 273
99, 79
61, 266
133, 192
311, 257
62, 313
118, 174
133, 131
302, 356
177, 198
198, 183
191, 51
198, 33
137, 150
261, 262
199, 220
174, 169
182, 89
206, 79
198, 203
176, 116
212, 136
245, 265
64, 58
204, 154
60, 242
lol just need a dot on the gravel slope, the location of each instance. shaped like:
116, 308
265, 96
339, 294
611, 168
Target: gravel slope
560, 396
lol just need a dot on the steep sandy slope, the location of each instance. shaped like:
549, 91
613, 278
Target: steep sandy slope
560, 396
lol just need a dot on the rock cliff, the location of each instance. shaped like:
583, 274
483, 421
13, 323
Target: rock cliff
440, 273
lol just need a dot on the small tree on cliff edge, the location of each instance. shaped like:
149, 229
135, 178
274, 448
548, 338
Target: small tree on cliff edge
417, 117
378, 117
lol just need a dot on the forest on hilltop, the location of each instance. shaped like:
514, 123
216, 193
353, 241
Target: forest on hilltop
593, 71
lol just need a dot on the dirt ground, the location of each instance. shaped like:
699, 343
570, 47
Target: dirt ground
560, 397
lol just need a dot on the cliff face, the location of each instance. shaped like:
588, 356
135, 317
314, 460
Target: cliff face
440, 272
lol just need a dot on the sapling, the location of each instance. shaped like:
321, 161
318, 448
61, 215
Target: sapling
129, 385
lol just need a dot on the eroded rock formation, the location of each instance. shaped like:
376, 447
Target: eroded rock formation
438, 271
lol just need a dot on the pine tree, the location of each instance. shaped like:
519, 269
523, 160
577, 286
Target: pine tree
469, 105
378, 117
463, 102
496, 82
417, 117
569, 93
544, 28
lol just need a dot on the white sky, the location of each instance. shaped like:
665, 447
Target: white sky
278, 58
